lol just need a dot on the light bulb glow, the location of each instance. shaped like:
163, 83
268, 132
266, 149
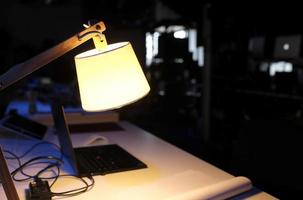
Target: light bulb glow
110, 78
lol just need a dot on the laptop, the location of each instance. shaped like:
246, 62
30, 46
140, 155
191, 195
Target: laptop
92, 160
6, 179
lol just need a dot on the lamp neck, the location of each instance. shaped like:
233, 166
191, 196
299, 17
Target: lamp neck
24, 69
98, 38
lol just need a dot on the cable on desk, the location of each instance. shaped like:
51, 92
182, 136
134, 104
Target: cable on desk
50, 166
15, 157
57, 164
36, 145
32, 148
77, 191
31, 162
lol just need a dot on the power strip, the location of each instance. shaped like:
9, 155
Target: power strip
39, 190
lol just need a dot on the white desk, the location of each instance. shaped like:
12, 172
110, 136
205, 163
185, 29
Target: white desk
171, 174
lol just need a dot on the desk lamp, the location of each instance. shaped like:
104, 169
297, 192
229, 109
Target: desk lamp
109, 76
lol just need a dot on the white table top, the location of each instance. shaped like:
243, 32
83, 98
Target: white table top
171, 174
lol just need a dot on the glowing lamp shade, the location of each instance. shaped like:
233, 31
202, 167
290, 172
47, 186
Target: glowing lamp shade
110, 78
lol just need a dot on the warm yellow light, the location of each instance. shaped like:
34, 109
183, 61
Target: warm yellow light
110, 78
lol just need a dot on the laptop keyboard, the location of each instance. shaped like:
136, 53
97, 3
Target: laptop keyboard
105, 159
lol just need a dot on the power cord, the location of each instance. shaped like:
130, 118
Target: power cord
39, 188
76, 191
52, 161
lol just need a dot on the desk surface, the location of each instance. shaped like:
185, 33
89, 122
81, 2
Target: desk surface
171, 171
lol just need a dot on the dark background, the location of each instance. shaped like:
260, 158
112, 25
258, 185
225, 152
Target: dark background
255, 121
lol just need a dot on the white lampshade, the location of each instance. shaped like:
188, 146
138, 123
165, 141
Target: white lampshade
110, 78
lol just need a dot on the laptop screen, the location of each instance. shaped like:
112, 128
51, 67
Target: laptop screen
63, 134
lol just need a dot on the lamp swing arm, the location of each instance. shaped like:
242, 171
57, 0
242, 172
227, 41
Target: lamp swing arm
20, 71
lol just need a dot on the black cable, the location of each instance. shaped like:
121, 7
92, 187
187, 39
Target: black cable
58, 162
29, 163
77, 191
55, 179
36, 145
15, 157
37, 175
50, 166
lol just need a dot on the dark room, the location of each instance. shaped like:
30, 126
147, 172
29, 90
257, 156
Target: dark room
116, 99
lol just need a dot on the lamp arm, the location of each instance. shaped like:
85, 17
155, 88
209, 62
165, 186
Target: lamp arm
19, 71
